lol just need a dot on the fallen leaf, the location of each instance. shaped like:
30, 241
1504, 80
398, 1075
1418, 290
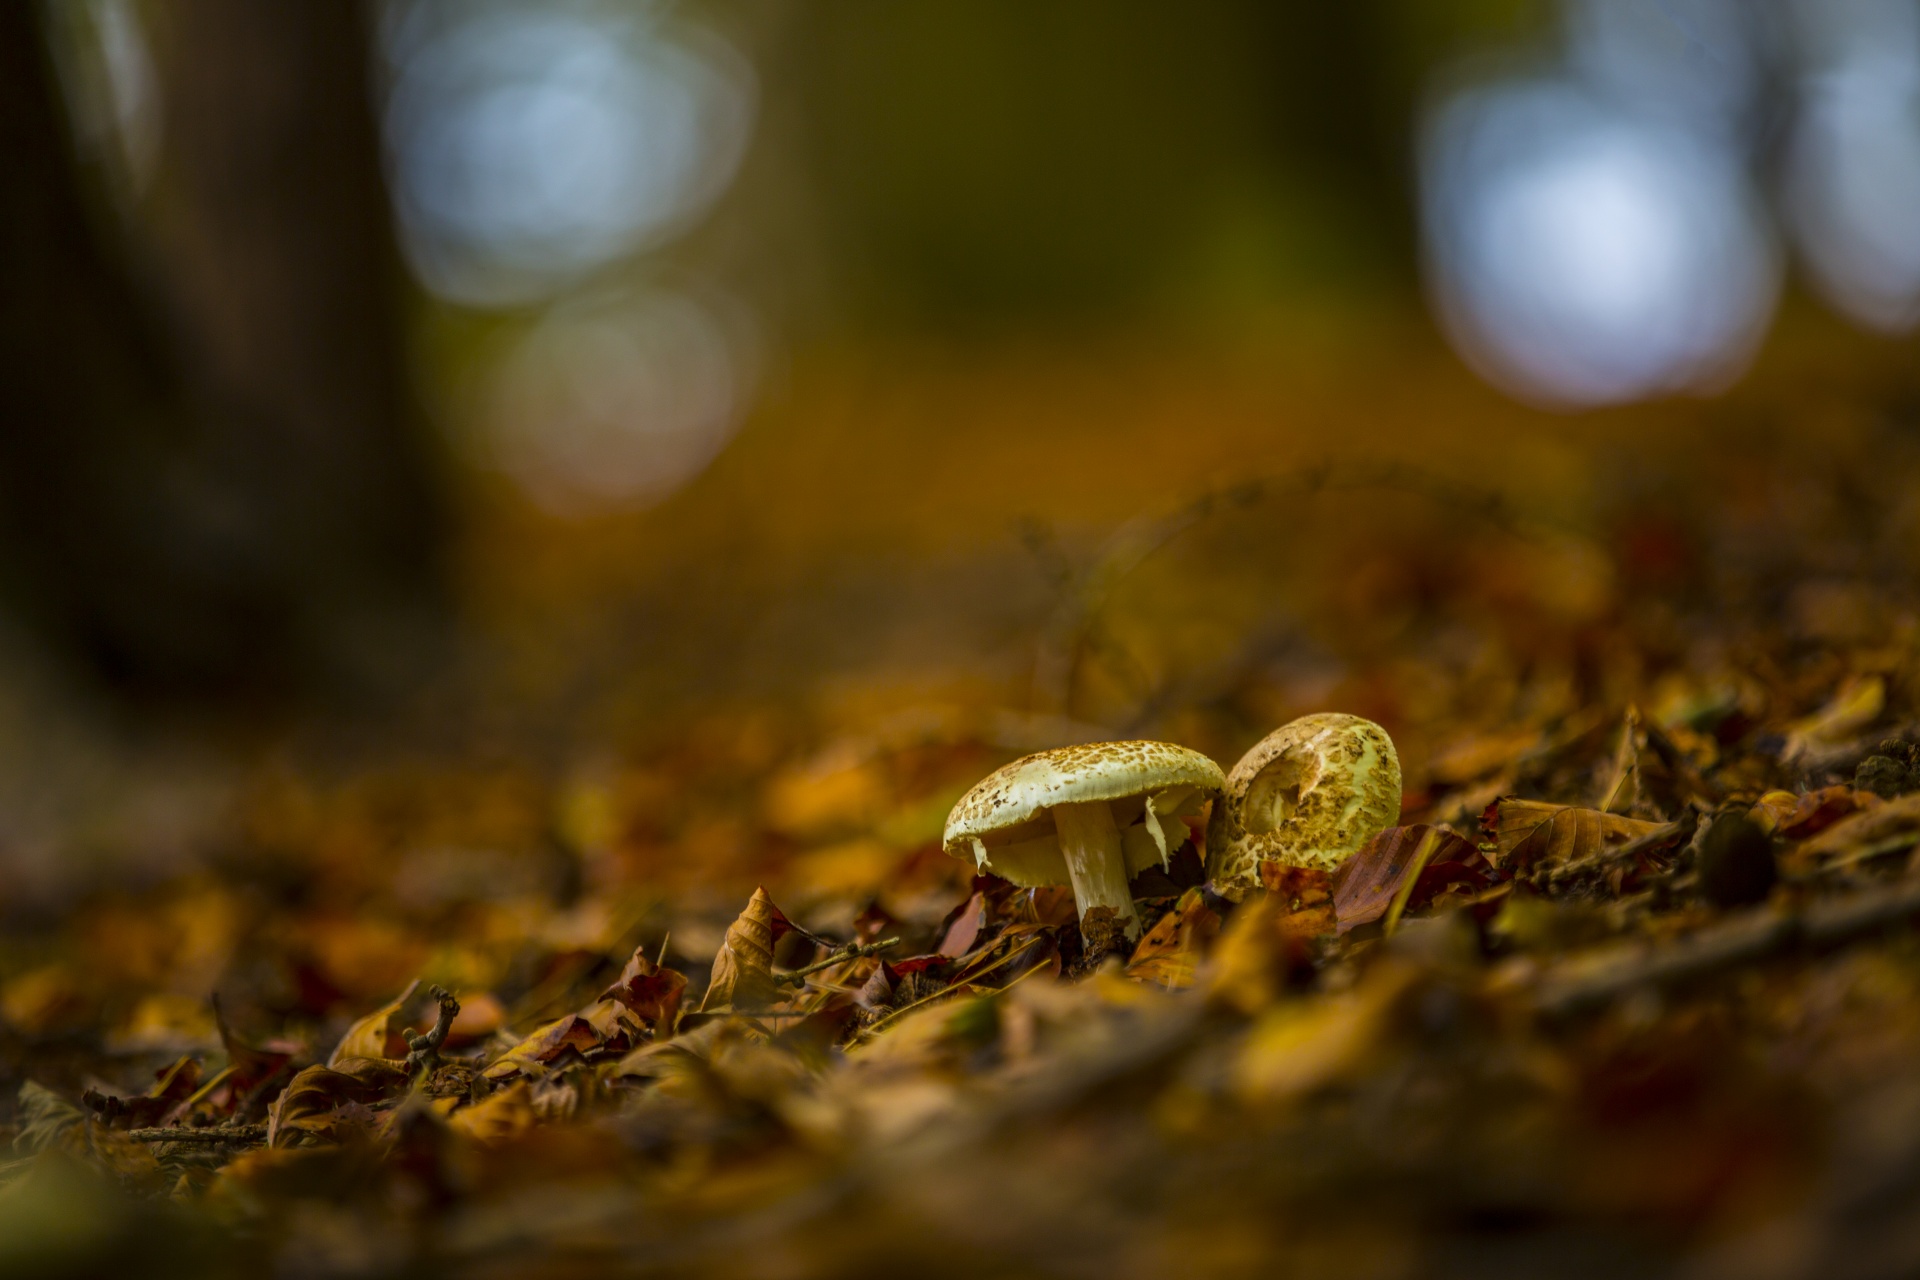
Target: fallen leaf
1529, 833
1256, 955
1818, 810
1017, 949
1306, 895
653, 993
501, 1116
329, 1103
173, 1085
533, 1055
1857, 704
1891, 820
1364, 886
1295, 1048
381, 1034
743, 968
964, 927
1168, 955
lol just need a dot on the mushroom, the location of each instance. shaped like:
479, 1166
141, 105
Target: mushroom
1309, 794
1092, 816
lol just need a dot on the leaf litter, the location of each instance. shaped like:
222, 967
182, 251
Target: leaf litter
1632, 987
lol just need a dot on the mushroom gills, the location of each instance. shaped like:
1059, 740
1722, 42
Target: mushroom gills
1150, 841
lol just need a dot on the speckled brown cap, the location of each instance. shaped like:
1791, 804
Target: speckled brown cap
1309, 794
1022, 791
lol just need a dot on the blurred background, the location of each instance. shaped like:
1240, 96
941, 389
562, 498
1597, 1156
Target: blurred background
532, 380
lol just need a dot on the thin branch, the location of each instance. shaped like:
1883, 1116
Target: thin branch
851, 951
1587, 982
242, 1133
423, 1051
1680, 829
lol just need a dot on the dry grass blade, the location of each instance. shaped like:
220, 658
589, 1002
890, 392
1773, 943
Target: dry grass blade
1429, 843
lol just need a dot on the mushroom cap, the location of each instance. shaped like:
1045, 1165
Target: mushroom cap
1309, 794
1021, 793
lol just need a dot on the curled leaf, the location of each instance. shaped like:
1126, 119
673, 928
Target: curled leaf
535, 1055
381, 1034
651, 991
325, 1104
743, 968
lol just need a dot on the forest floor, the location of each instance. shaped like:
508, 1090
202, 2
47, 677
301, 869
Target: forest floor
650, 961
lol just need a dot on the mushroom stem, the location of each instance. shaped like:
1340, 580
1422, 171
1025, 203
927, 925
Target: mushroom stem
1091, 845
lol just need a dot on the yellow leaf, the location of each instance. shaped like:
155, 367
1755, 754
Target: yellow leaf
378, 1035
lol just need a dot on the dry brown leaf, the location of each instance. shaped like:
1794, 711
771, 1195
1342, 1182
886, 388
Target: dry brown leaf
1256, 954
1168, 954
1891, 820
328, 1103
1818, 810
1365, 885
1620, 791
1531, 833
964, 927
533, 1055
503, 1115
1306, 895
652, 992
743, 968
173, 1085
381, 1034
1857, 704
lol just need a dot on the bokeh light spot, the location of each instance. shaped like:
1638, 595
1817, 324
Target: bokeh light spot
532, 145
614, 401
1583, 255
1852, 172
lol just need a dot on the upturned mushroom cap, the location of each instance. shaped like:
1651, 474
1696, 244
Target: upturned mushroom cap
1309, 794
1003, 824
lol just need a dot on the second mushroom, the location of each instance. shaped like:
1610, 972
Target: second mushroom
1309, 794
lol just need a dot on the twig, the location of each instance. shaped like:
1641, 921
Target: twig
241, 1133
423, 1051
1588, 982
851, 951
954, 990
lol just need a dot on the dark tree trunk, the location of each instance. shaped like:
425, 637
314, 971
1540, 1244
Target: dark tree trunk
211, 474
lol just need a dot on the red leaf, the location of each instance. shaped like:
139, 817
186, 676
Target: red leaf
964, 927
1365, 884
652, 992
